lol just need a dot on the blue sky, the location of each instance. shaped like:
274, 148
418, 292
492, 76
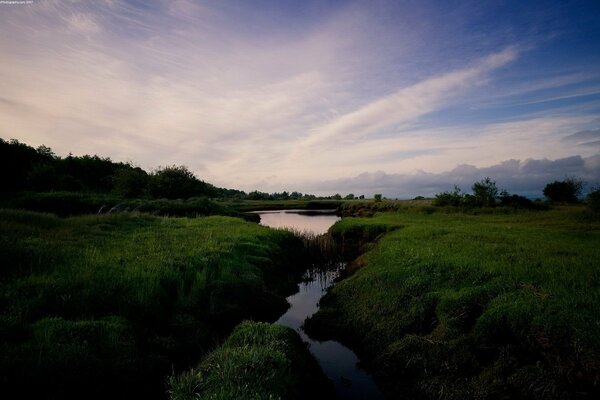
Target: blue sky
400, 97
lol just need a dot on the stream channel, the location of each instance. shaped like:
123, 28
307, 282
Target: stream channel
339, 363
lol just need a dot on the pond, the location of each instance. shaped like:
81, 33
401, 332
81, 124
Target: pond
339, 363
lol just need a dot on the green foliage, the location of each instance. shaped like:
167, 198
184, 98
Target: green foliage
566, 191
453, 198
484, 306
257, 361
485, 192
177, 182
593, 200
377, 197
95, 305
130, 182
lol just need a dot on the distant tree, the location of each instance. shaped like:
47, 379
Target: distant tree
361, 197
419, 198
256, 195
175, 182
349, 197
44, 177
130, 182
336, 196
45, 151
377, 197
593, 200
485, 192
564, 191
447, 198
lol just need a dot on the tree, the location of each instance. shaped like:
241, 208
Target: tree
377, 197
485, 192
349, 197
175, 182
447, 198
593, 200
564, 191
130, 182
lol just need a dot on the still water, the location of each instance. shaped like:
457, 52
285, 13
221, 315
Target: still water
339, 363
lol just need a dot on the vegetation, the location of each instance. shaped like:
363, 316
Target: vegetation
105, 306
567, 191
452, 305
25, 170
258, 361
485, 195
593, 201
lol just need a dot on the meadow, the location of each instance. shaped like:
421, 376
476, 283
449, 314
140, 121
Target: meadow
109, 305
483, 304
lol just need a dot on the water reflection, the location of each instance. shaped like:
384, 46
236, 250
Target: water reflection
313, 221
338, 362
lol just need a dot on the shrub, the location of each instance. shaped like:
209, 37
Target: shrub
485, 192
593, 200
564, 191
453, 198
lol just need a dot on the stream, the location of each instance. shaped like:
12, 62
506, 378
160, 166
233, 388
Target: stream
338, 362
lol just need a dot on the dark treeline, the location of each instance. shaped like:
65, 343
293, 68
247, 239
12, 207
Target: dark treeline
24, 168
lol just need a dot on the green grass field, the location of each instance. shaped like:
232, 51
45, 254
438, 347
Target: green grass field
454, 305
107, 306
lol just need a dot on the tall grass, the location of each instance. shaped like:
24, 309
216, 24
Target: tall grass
453, 305
107, 305
258, 361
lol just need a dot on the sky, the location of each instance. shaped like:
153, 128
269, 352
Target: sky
402, 97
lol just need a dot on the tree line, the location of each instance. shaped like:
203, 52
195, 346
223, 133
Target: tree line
25, 168
485, 193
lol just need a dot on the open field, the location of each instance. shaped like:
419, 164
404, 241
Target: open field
451, 305
109, 305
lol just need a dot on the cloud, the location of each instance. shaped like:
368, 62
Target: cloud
582, 137
525, 177
265, 98
407, 104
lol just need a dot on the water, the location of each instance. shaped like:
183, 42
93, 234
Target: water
317, 221
338, 362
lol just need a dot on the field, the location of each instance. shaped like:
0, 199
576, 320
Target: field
452, 305
109, 305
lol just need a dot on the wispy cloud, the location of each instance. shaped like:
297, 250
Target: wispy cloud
407, 104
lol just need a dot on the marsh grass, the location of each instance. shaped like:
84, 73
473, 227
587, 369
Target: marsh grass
455, 305
257, 361
107, 305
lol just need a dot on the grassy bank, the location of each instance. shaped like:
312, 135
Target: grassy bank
106, 306
455, 305
258, 361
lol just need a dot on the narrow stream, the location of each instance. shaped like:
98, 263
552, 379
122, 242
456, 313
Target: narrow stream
338, 362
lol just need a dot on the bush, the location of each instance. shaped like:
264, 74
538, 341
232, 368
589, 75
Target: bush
566, 191
177, 182
593, 200
453, 198
485, 192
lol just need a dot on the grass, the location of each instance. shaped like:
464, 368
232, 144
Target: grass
258, 361
107, 305
450, 305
